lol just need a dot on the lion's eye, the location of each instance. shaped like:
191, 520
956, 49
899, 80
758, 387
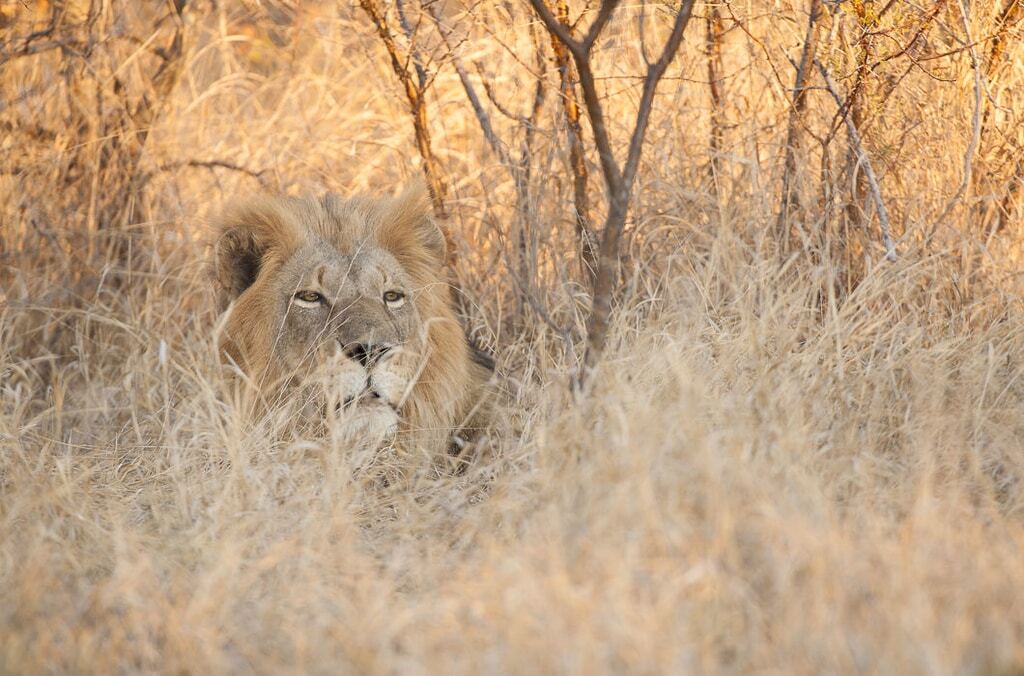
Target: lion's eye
308, 298
394, 298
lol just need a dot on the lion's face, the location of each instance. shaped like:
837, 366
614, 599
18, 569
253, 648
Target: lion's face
349, 294
362, 302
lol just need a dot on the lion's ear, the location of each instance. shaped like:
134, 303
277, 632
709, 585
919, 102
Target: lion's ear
407, 220
252, 233
238, 255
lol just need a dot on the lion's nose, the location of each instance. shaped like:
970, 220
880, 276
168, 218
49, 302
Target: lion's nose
366, 354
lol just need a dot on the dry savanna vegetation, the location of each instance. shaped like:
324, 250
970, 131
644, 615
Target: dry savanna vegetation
762, 375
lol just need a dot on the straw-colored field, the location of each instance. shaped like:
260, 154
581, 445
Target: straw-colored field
794, 457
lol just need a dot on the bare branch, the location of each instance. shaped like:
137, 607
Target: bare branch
577, 154
414, 93
862, 156
603, 15
410, 35
215, 164
581, 55
972, 147
618, 179
492, 96
713, 47
482, 117
921, 28
854, 109
555, 27
790, 192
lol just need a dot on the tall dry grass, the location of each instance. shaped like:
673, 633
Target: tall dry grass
800, 465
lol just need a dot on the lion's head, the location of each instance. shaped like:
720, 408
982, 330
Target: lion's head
354, 290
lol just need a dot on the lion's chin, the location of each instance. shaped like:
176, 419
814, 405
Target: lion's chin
366, 415
373, 419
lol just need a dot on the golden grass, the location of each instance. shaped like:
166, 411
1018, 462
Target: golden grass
805, 465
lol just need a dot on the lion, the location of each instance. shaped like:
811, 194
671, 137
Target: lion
352, 294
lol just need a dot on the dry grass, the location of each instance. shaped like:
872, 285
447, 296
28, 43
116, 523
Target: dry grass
798, 466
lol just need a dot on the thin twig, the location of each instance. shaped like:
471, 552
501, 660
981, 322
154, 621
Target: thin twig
482, 117
492, 96
214, 164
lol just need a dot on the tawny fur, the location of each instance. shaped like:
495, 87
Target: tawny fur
256, 238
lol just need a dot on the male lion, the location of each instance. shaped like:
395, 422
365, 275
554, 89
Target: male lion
354, 293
